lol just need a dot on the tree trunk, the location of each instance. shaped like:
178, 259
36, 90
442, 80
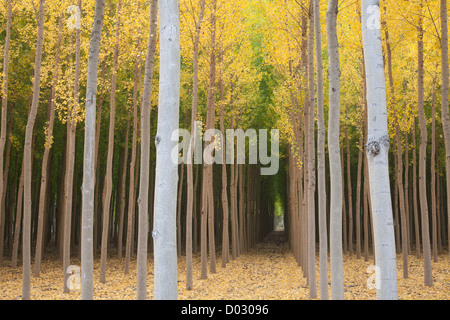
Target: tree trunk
164, 233
415, 200
72, 114
145, 154
323, 252
19, 209
131, 191
337, 280
311, 161
26, 242
377, 153
45, 160
444, 103
122, 192
3, 120
210, 119
87, 250
207, 178
358, 197
422, 161
109, 161
399, 158
225, 209
192, 143
433, 174
350, 194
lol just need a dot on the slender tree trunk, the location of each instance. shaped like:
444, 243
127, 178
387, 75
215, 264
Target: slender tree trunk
164, 233
444, 103
399, 158
377, 153
234, 237
337, 279
323, 250
45, 160
145, 154
406, 188
422, 161
109, 161
192, 144
211, 113
207, 185
72, 114
122, 192
3, 119
350, 194
87, 250
131, 191
415, 201
6, 175
241, 210
26, 242
358, 197
433, 174
19, 209
311, 161
225, 209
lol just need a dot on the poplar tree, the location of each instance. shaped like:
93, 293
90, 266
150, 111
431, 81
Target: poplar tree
377, 153
165, 207
87, 211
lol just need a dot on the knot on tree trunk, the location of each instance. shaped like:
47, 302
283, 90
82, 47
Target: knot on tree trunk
373, 147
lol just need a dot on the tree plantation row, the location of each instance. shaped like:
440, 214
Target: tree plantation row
93, 91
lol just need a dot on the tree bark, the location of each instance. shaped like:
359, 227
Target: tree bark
122, 192
3, 120
72, 114
109, 161
207, 184
415, 200
428, 279
399, 158
444, 103
433, 174
26, 242
87, 250
337, 279
322, 195
145, 152
377, 153
311, 160
131, 191
164, 233
192, 144
45, 160
225, 209
350, 194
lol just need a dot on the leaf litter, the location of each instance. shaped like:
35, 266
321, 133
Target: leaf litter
266, 272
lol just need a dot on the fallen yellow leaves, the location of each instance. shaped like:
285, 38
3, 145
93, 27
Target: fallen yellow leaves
268, 272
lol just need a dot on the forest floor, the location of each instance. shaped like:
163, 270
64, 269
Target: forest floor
267, 272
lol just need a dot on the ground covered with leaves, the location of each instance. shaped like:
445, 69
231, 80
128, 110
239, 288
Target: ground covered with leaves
268, 272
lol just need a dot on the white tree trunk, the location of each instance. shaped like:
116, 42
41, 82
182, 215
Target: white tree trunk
337, 277
166, 177
145, 157
28, 159
323, 250
311, 161
87, 209
377, 154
